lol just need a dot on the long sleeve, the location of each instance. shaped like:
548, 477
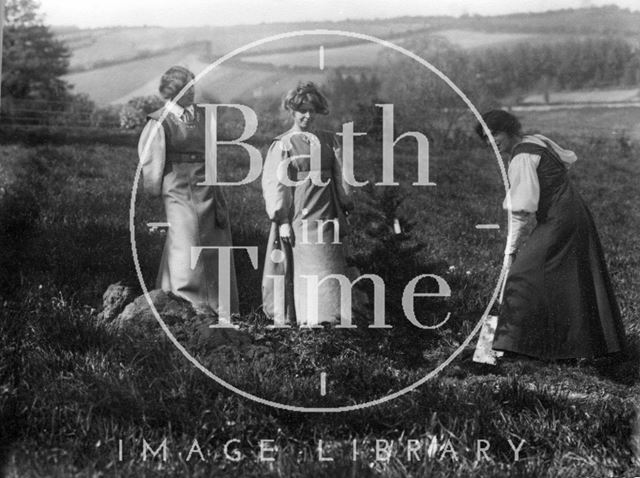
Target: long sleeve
524, 189
278, 198
519, 223
343, 188
522, 197
151, 151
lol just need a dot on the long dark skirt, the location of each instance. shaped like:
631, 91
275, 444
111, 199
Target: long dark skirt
558, 300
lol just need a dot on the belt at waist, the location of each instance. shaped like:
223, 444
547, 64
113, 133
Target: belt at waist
176, 157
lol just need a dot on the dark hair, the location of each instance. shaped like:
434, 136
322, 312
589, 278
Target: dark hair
499, 120
174, 80
305, 92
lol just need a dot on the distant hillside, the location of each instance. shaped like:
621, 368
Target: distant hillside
609, 20
112, 65
94, 47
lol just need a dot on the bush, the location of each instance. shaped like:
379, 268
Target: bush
108, 116
133, 115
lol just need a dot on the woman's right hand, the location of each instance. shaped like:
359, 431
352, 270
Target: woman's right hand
508, 261
286, 234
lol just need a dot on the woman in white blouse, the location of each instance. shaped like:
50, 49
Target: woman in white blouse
558, 301
172, 152
308, 216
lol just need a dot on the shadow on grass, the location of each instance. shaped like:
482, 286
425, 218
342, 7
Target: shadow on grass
622, 368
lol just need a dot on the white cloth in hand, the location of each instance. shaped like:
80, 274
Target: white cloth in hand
286, 234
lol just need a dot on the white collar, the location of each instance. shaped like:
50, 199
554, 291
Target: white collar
176, 109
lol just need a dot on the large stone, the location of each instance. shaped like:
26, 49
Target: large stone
189, 325
114, 300
139, 317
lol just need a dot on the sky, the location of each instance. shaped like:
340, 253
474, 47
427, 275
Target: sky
183, 13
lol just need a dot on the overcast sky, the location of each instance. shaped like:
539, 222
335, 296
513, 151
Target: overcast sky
99, 13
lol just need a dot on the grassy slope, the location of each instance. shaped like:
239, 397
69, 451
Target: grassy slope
104, 85
81, 388
119, 82
90, 46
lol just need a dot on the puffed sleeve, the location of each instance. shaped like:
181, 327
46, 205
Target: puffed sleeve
151, 151
524, 193
343, 188
524, 189
278, 198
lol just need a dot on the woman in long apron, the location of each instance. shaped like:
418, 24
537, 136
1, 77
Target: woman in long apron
306, 199
172, 152
558, 300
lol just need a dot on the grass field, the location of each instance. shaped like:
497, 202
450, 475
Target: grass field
596, 96
469, 39
111, 83
348, 56
72, 388
584, 123
112, 44
89, 46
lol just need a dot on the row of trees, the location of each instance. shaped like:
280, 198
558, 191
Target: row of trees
605, 20
572, 64
423, 100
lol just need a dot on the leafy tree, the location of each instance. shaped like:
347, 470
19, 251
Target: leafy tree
423, 101
577, 63
353, 98
33, 60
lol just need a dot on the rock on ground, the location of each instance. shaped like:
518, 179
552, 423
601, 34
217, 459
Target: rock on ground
114, 300
189, 325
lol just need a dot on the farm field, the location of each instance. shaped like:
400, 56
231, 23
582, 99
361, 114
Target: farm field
269, 67
117, 83
90, 46
114, 44
470, 39
584, 123
109, 84
595, 96
229, 83
363, 55
77, 386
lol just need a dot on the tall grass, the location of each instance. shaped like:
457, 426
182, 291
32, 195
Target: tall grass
71, 387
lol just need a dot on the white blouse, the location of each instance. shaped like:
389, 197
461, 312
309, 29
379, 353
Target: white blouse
524, 187
524, 190
522, 197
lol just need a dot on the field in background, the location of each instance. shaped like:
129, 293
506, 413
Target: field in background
595, 96
469, 39
110, 84
581, 124
111, 44
119, 80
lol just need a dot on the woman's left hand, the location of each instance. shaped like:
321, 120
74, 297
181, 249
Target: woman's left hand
286, 234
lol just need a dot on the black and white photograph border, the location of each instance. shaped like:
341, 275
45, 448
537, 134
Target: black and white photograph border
319, 238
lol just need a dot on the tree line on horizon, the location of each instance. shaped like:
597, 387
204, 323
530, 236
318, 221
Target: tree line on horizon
34, 62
